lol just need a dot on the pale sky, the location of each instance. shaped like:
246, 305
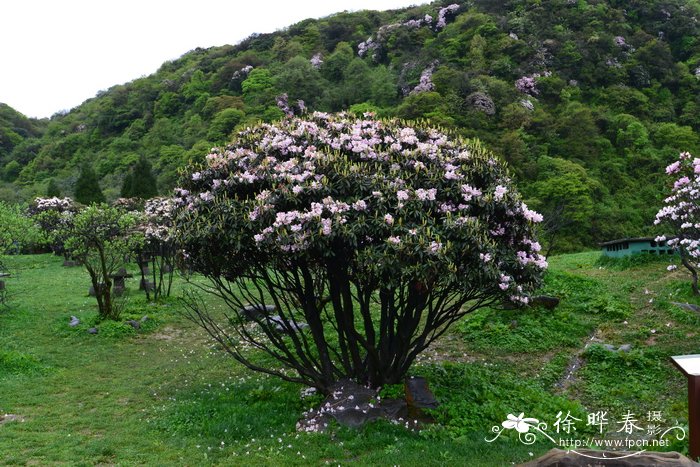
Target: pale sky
55, 54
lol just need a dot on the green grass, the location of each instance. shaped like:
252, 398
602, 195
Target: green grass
164, 395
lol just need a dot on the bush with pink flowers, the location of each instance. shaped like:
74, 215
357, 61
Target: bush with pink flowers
681, 213
370, 237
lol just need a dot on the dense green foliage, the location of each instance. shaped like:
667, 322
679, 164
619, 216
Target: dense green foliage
608, 96
140, 181
16, 230
87, 187
101, 237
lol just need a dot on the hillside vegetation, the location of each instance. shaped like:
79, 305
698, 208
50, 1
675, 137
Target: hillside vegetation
586, 100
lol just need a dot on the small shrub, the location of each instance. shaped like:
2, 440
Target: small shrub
13, 363
110, 328
632, 261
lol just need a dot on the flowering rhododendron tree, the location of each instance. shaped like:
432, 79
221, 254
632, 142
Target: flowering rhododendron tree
370, 238
158, 247
681, 213
52, 216
100, 237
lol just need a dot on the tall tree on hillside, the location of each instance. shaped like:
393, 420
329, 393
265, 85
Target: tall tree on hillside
87, 187
140, 181
52, 190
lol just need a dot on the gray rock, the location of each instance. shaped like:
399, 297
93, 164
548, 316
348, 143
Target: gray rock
8, 417
688, 306
609, 347
257, 311
134, 324
92, 331
625, 348
145, 318
284, 326
545, 301
354, 418
353, 405
418, 393
74, 321
394, 408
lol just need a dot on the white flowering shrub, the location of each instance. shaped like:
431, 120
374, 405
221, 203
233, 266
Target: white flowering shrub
375, 234
100, 237
52, 216
681, 213
158, 247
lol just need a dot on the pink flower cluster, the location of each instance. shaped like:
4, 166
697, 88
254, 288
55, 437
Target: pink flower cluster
681, 211
317, 60
242, 73
528, 84
301, 185
374, 43
426, 83
159, 214
52, 204
443, 13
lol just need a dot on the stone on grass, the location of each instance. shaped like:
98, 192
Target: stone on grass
92, 331
134, 324
74, 321
8, 417
688, 306
145, 318
560, 458
257, 311
622, 348
545, 301
418, 394
353, 405
285, 326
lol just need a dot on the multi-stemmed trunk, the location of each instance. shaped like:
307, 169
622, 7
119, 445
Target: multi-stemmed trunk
368, 332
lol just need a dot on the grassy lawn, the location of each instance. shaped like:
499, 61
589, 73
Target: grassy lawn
164, 395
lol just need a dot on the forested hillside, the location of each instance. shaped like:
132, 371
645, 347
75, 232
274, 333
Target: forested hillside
588, 101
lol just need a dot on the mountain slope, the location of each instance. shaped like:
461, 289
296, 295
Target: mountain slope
587, 100
15, 129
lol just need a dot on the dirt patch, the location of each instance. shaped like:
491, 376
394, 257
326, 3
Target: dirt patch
8, 417
167, 334
446, 348
576, 362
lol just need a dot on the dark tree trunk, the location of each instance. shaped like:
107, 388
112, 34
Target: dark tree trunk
693, 273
